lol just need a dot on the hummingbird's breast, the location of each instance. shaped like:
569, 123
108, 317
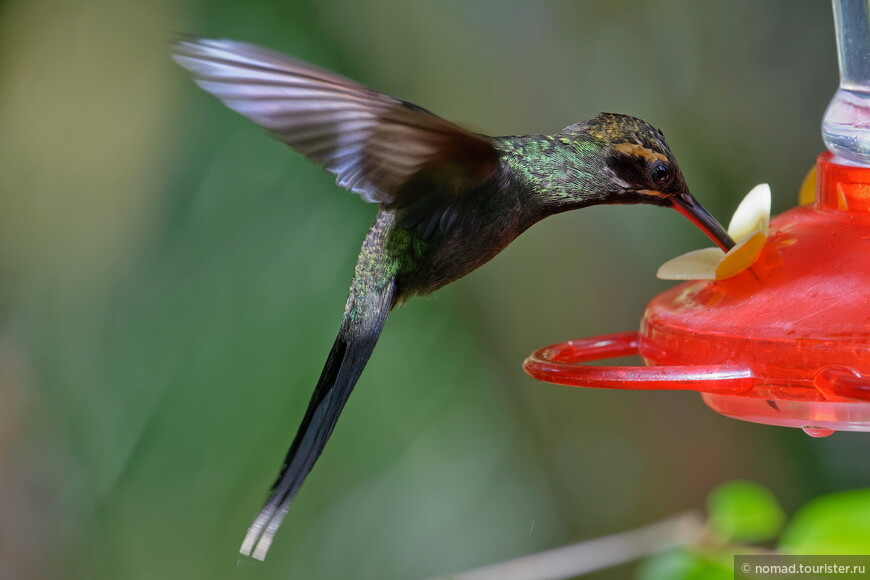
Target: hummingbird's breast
488, 219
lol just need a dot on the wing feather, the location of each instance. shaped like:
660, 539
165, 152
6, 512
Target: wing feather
373, 143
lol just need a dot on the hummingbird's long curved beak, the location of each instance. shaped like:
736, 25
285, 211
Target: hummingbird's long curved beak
687, 205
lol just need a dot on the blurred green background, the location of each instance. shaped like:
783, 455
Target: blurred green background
171, 280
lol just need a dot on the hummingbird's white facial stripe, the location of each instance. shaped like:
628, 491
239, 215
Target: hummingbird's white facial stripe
611, 175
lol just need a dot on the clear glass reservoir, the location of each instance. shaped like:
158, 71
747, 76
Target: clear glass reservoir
846, 125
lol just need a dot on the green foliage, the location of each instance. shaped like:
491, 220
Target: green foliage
743, 511
838, 523
680, 564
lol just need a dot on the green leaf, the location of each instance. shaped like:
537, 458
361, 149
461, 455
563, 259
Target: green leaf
681, 564
838, 523
744, 511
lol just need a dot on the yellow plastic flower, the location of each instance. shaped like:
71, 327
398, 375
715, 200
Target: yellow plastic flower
749, 225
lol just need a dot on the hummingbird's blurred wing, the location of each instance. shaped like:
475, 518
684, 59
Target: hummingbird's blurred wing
387, 150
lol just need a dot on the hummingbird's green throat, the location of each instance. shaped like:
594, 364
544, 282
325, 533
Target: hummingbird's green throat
449, 199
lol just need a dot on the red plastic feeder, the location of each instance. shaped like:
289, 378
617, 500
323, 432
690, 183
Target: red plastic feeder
786, 342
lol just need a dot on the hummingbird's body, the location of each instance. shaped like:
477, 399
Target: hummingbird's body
483, 221
524, 188
450, 200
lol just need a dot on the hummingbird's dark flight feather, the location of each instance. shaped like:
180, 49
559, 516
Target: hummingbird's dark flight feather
356, 339
376, 145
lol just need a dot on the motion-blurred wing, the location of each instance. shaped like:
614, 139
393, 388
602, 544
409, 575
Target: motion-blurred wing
385, 149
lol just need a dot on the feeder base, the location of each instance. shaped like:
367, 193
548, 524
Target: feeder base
816, 418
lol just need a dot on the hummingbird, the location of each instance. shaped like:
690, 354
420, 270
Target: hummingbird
449, 201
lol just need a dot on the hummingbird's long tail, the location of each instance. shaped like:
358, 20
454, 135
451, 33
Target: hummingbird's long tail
367, 309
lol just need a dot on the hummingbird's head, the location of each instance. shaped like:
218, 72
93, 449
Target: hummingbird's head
637, 166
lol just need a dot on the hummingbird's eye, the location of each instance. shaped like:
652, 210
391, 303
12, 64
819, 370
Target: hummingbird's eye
660, 174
